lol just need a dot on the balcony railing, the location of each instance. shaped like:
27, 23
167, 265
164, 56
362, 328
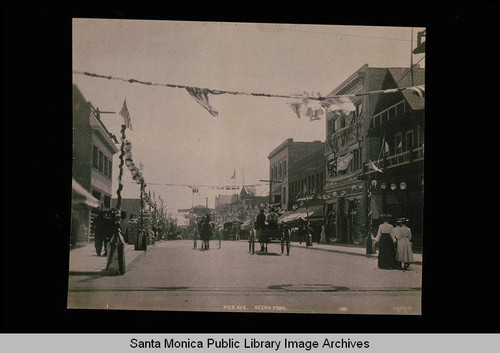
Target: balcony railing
392, 112
406, 157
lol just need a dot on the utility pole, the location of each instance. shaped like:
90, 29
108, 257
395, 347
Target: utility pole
271, 187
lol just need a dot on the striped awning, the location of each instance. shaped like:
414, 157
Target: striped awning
82, 196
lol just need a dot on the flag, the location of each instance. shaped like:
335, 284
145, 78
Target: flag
296, 108
126, 116
343, 104
387, 147
400, 144
201, 96
374, 167
234, 174
343, 162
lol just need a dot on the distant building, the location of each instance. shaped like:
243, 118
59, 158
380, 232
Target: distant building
93, 150
293, 167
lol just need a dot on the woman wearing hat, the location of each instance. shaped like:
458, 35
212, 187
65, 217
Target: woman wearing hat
386, 240
404, 254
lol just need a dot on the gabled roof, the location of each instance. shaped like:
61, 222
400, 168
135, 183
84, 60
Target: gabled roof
247, 191
403, 78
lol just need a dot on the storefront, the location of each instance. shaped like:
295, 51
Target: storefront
345, 214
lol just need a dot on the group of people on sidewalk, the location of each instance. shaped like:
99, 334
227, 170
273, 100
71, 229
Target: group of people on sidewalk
394, 242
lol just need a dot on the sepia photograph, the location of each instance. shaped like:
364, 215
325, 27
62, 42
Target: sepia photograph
247, 167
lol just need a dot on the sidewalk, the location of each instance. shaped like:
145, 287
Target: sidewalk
83, 260
348, 249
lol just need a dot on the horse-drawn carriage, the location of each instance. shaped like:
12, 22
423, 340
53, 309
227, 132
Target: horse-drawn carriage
270, 234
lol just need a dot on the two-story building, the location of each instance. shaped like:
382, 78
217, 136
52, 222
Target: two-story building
288, 176
93, 150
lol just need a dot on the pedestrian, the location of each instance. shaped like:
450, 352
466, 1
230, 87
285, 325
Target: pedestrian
98, 228
196, 234
259, 226
251, 239
206, 232
404, 254
386, 240
309, 234
370, 248
322, 237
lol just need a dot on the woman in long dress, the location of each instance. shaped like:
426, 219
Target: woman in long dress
404, 254
386, 240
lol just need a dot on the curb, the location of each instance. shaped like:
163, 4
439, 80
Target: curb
345, 252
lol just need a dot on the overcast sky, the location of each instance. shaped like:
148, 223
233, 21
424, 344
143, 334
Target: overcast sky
175, 138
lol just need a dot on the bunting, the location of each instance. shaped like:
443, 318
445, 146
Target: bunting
330, 102
201, 96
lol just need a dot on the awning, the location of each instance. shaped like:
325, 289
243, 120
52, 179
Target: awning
305, 213
82, 196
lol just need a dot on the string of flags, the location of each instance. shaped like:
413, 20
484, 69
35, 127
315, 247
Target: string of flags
313, 106
196, 188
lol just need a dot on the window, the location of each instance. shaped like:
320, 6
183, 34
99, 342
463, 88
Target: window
95, 157
110, 168
101, 161
107, 201
420, 133
398, 142
284, 196
280, 170
284, 167
356, 161
105, 165
409, 140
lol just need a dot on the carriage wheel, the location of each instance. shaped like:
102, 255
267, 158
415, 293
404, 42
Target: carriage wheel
288, 248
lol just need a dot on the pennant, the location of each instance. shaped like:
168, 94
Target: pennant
201, 96
125, 115
400, 144
234, 174
374, 167
387, 147
343, 104
296, 109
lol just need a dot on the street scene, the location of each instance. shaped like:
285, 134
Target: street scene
174, 276
247, 167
